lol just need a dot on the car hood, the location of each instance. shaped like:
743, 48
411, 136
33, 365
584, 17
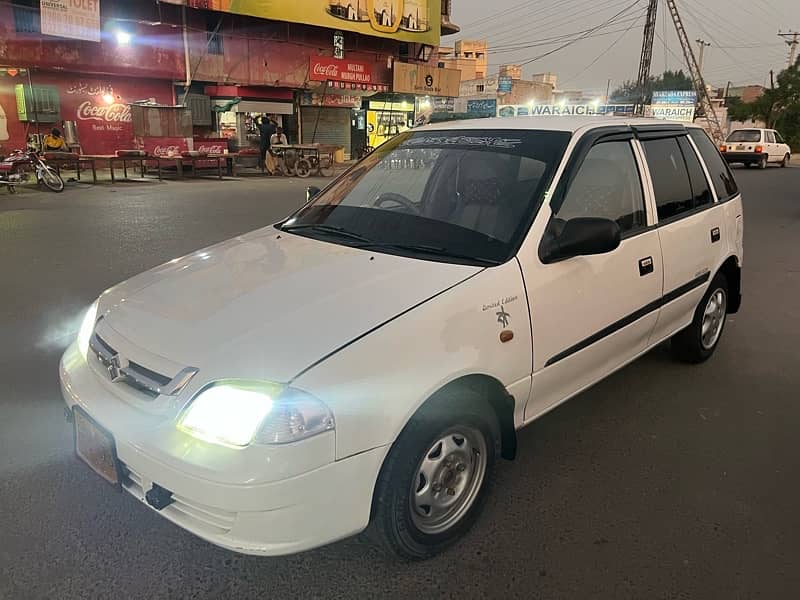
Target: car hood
267, 304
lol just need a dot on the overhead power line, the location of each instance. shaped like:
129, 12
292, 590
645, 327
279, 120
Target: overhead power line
582, 37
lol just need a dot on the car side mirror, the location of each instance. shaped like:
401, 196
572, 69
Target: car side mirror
311, 191
582, 236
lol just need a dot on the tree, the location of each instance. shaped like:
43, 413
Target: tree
778, 107
628, 93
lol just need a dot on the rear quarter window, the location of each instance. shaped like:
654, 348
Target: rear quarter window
721, 176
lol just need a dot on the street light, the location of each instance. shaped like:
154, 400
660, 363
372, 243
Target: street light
123, 37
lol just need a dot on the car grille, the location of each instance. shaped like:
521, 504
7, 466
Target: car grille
125, 371
192, 515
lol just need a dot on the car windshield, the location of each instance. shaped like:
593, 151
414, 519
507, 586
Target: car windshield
745, 135
456, 196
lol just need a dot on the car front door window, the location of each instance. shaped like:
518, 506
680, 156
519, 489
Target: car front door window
607, 185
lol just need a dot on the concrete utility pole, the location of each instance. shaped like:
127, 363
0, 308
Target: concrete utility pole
792, 40
703, 45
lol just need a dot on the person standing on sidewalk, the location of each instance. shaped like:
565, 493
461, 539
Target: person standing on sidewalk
266, 129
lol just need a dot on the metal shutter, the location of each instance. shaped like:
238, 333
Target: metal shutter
333, 127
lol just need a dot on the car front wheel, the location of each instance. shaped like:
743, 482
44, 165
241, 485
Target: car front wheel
786, 160
697, 342
435, 479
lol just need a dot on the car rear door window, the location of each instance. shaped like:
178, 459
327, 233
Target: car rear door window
607, 185
770, 137
670, 177
701, 193
721, 176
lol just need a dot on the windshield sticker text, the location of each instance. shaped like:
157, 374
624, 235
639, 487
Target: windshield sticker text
464, 140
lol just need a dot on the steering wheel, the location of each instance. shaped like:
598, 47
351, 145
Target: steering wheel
397, 199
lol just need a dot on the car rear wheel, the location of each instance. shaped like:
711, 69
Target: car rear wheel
697, 342
786, 160
435, 479
762, 162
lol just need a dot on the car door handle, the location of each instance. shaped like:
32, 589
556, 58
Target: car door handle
645, 266
715, 235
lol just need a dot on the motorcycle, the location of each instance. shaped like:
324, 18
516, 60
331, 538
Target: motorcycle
14, 171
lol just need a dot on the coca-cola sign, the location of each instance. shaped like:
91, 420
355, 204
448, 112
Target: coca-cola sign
322, 68
111, 113
166, 150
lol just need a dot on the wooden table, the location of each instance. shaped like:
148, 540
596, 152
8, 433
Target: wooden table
59, 162
180, 161
112, 158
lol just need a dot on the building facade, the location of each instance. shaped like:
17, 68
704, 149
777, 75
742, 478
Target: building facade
468, 56
309, 72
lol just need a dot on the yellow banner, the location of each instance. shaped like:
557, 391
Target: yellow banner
406, 20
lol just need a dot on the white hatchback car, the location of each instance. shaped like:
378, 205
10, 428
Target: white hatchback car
363, 363
759, 147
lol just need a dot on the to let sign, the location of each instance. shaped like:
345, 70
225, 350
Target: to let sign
426, 81
323, 68
76, 19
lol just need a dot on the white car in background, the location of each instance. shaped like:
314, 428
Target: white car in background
363, 363
759, 147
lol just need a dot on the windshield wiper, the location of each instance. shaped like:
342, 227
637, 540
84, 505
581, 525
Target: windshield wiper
436, 250
332, 229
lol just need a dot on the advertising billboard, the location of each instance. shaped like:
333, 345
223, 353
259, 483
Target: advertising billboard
70, 19
678, 105
405, 20
425, 80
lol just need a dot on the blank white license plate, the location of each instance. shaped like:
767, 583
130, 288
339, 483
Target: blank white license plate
95, 447
740, 147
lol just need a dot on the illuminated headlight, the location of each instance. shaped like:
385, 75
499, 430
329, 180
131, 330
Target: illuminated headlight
87, 327
239, 413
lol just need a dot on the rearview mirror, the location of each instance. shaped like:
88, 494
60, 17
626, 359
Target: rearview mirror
582, 236
311, 191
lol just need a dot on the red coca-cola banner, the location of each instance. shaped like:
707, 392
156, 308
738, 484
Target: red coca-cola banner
173, 146
98, 105
323, 68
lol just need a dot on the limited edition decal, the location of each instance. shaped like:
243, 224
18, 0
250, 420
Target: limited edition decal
499, 308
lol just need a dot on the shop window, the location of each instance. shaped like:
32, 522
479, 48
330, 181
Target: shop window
26, 16
480, 87
214, 38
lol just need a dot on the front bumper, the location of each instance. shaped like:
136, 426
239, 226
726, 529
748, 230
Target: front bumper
742, 157
297, 513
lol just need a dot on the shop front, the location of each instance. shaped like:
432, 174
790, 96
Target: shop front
330, 108
95, 112
418, 91
387, 116
239, 108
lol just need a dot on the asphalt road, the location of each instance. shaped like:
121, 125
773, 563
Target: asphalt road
664, 481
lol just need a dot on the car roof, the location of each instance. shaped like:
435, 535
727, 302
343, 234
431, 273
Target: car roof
552, 123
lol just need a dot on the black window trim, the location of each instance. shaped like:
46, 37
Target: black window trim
727, 167
590, 139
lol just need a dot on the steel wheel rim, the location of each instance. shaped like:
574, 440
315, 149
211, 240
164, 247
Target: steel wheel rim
51, 178
448, 479
713, 318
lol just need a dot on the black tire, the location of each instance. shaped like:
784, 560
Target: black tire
688, 345
393, 526
302, 168
785, 162
763, 162
326, 167
52, 180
